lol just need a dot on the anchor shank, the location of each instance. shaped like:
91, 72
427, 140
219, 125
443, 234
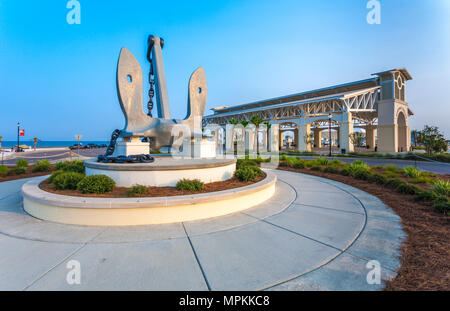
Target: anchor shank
162, 98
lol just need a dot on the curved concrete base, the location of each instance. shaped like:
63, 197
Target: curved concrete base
312, 234
142, 211
165, 171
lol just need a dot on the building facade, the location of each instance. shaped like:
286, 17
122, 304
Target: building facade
377, 105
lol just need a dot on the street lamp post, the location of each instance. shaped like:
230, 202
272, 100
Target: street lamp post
18, 134
329, 131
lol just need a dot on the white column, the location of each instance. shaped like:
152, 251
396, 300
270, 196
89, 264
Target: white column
304, 129
346, 128
370, 136
250, 136
274, 136
229, 143
318, 137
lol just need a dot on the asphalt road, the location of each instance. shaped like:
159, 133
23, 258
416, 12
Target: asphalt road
53, 155
57, 155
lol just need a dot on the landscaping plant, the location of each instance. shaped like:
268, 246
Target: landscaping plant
42, 166
136, 191
18, 170
71, 166
3, 170
96, 184
246, 174
67, 180
22, 163
190, 184
411, 172
442, 187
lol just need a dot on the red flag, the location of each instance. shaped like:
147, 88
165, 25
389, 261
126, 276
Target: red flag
22, 132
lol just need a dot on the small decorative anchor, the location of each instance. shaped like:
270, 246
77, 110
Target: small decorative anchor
162, 131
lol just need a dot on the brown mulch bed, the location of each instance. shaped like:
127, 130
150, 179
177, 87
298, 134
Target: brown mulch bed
425, 261
28, 174
120, 192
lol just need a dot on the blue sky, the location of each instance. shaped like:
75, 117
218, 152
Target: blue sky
59, 79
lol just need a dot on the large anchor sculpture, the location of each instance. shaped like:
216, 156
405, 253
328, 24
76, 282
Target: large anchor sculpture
160, 131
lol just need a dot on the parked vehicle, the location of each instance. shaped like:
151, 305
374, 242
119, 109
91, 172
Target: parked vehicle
76, 146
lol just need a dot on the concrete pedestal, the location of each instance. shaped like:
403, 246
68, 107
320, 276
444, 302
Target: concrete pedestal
199, 149
127, 148
165, 171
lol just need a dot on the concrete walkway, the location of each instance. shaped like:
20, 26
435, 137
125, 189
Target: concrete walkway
314, 234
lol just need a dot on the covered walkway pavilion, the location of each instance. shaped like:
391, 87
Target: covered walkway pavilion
376, 105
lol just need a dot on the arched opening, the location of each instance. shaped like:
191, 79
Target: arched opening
287, 139
401, 132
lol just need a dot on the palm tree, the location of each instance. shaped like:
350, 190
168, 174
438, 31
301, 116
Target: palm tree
268, 125
35, 139
244, 122
256, 120
233, 121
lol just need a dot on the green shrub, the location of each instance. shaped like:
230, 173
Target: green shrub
331, 169
408, 189
345, 172
283, 157
71, 166
67, 180
391, 168
53, 175
362, 174
96, 184
260, 159
337, 162
422, 180
42, 166
378, 179
322, 161
360, 163
257, 170
390, 174
3, 170
426, 196
137, 191
246, 162
299, 164
291, 161
309, 163
192, 184
395, 183
22, 163
282, 164
17, 170
442, 205
442, 187
316, 168
246, 174
357, 166
411, 172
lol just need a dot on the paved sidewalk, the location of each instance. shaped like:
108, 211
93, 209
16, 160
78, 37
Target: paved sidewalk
314, 234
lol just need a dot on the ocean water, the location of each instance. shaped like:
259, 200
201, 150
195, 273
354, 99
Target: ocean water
52, 143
